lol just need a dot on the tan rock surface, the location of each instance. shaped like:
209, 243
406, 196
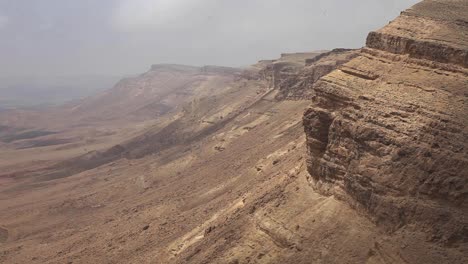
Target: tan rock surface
228, 175
387, 131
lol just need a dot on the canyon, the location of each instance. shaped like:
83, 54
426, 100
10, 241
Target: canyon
339, 156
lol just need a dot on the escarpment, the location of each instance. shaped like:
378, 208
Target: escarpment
387, 131
294, 74
297, 86
187, 164
432, 30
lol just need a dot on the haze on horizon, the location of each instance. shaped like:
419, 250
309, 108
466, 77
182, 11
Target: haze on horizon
122, 37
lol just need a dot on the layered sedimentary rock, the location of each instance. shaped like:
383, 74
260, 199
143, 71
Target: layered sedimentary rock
294, 73
275, 72
387, 130
297, 86
432, 30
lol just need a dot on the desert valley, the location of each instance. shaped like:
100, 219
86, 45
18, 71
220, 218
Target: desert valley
335, 156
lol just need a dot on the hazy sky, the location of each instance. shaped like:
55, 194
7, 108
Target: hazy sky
120, 37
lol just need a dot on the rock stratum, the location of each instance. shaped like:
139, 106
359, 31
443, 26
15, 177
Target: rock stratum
294, 73
387, 132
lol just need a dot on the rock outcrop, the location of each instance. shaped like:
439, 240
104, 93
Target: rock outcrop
275, 72
387, 130
432, 30
297, 86
294, 73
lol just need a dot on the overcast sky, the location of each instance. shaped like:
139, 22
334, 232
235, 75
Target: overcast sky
121, 37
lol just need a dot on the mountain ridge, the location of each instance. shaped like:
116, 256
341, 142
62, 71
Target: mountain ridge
340, 156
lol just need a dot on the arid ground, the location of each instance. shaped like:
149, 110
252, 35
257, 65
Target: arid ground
340, 156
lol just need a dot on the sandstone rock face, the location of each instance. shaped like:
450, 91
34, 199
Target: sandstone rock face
275, 72
297, 86
387, 130
433, 30
294, 73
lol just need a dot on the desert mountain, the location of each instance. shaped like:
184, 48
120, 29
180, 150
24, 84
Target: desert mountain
341, 156
387, 131
155, 97
160, 90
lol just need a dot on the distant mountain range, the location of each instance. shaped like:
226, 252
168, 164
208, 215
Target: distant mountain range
34, 91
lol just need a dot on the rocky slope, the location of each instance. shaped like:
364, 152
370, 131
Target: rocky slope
225, 177
151, 99
298, 83
202, 109
387, 131
161, 89
294, 74
224, 164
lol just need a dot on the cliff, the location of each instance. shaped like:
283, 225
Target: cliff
298, 86
217, 169
293, 74
387, 131
431, 30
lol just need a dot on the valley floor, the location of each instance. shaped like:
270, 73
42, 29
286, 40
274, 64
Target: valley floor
240, 195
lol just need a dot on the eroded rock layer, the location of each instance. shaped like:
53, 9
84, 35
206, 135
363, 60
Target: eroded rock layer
294, 74
387, 131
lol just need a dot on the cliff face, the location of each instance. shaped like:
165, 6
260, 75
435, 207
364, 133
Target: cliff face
297, 86
216, 174
387, 131
275, 72
294, 73
432, 30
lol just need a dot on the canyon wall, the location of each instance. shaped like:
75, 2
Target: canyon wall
294, 73
387, 131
